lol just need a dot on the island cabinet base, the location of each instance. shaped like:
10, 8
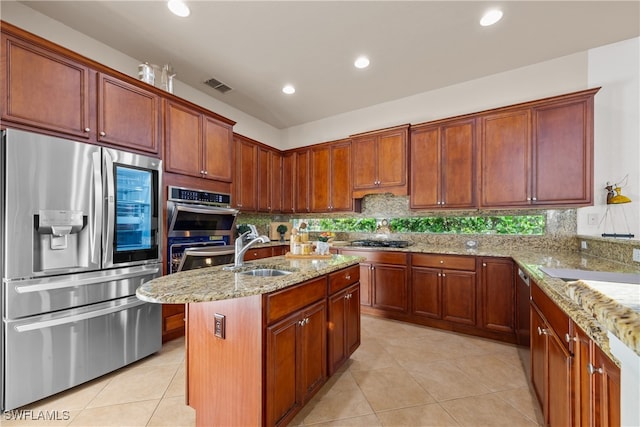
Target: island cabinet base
224, 376
257, 360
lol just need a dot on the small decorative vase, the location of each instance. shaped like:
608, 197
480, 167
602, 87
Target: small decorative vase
282, 237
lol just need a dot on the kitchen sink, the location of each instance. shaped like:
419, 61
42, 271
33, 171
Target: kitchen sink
266, 272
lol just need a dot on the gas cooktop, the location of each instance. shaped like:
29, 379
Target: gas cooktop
381, 243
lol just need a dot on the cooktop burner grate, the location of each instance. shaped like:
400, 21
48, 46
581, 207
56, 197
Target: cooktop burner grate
381, 243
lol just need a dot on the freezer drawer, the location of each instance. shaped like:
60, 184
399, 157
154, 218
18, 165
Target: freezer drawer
36, 296
53, 352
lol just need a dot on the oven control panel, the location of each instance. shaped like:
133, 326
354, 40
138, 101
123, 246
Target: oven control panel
179, 194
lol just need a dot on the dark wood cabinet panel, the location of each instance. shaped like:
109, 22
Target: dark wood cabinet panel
379, 162
505, 158
217, 150
459, 296
263, 183
302, 179
390, 290
443, 165
606, 391
320, 179
275, 181
562, 152
559, 382
44, 89
246, 174
341, 198
288, 182
331, 177
128, 116
427, 292
497, 288
183, 138
538, 353
366, 284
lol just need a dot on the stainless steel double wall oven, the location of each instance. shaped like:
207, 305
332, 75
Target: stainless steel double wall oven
201, 229
81, 230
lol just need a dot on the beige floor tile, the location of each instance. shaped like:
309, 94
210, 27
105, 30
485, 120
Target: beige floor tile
125, 415
524, 401
371, 355
485, 410
171, 353
177, 386
133, 385
173, 412
445, 381
363, 421
423, 415
492, 372
391, 388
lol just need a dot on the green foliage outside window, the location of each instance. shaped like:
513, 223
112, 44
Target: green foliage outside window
512, 224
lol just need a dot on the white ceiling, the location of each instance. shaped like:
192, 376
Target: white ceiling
416, 46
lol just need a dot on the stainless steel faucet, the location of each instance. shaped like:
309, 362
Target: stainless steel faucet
241, 250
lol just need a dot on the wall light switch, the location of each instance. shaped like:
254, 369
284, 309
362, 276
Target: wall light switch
636, 255
583, 244
219, 325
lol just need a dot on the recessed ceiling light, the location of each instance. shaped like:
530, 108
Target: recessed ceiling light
289, 89
491, 17
178, 7
362, 62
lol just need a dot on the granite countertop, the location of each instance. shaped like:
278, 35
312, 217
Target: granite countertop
595, 307
214, 283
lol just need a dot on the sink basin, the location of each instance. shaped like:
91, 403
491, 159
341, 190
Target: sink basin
266, 272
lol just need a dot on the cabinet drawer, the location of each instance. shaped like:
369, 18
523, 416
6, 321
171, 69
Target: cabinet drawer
399, 258
175, 321
284, 302
258, 253
555, 317
343, 278
453, 262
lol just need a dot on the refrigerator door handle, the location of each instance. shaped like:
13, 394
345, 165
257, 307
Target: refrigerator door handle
148, 271
110, 220
78, 317
97, 207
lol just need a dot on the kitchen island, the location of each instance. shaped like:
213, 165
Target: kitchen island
259, 347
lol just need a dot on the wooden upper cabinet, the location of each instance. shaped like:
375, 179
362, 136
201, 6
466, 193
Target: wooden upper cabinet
443, 165
183, 140
563, 152
288, 182
379, 162
245, 179
540, 153
196, 144
128, 116
331, 177
263, 183
276, 181
302, 179
505, 158
43, 89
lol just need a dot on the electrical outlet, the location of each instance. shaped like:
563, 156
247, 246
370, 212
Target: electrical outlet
219, 326
636, 255
583, 244
592, 219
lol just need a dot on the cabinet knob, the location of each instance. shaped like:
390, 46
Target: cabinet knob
206, 172
441, 261
87, 130
201, 172
528, 199
568, 338
542, 331
593, 370
102, 133
484, 264
348, 277
444, 275
535, 198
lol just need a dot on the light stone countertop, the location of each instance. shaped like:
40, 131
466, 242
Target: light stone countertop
214, 283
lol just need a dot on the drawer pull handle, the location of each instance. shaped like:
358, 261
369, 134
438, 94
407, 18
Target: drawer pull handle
348, 277
87, 130
542, 331
568, 338
593, 370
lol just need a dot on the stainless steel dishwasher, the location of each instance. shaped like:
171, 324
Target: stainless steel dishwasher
523, 334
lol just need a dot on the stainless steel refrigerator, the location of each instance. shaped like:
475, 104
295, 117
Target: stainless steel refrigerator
81, 230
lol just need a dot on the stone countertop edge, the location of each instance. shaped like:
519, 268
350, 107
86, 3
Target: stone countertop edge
214, 283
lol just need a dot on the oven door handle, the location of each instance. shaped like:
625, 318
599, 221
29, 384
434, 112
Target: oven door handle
78, 317
212, 252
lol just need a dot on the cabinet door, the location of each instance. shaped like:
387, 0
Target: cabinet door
183, 143
217, 150
538, 355
352, 332
282, 372
392, 159
313, 349
366, 284
320, 179
559, 382
459, 296
497, 287
43, 89
505, 157
337, 330
264, 180
302, 178
365, 162
288, 182
276, 181
390, 287
340, 177
606, 390
562, 153
425, 168
427, 293
583, 403
245, 180
458, 165
128, 116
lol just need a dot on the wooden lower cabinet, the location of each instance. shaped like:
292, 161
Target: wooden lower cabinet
173, 320
497, 294
295, 362
344, 326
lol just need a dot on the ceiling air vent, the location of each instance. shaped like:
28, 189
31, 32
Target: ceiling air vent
217, 85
